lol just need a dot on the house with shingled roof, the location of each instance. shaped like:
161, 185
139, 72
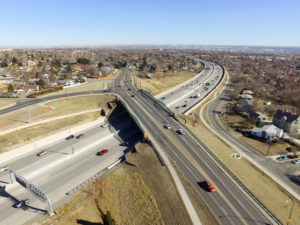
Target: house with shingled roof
287, 121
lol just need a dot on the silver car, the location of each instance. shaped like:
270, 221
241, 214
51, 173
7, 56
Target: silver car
4, 168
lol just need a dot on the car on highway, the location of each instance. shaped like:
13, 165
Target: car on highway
209, 185
180, 131
167, 126
4, 168
296, 161
79, 136
70, 137
103, 152
125, 143
44, 152
104, 125
21, 203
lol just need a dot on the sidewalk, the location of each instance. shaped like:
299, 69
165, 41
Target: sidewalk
45, 121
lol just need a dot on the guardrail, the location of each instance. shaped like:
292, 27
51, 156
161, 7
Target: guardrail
223, 73
162, 162
158, 102
229, 173
92, 178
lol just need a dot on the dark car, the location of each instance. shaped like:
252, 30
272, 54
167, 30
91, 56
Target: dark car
132, 95
129, 89
21, 203
79, 136
70, 137
125, 143
180, 131
41, 153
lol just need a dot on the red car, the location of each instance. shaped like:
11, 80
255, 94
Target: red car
104, 151
210, 186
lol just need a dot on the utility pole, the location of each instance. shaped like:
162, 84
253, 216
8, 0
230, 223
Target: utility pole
290, 215
28, 115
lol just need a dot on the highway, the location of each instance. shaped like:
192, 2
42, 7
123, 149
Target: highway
59, 171
228, 203
24, 102
181, 99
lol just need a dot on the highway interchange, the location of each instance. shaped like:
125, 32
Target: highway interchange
228, 203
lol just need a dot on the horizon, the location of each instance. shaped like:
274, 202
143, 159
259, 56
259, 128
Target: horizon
100, 23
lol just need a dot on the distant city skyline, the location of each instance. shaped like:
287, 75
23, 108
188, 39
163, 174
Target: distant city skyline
116, 22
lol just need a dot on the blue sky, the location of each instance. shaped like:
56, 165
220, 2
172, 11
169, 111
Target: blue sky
100, 22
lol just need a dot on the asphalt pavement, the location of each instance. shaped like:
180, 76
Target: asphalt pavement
59, 171
228, 203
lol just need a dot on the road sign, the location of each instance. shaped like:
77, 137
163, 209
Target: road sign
32, 189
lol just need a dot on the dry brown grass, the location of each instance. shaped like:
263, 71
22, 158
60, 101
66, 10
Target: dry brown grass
23, 136
262, 147
162, 83
145, 194
64, 106
128, 199
265, 189
4, 104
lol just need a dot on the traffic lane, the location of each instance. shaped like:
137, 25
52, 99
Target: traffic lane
185, 90
220, 199
193, 159
59, 149
42, 99
184, 104
237, 199
180, 159
238, 204
196, 179
78, 170
57, 184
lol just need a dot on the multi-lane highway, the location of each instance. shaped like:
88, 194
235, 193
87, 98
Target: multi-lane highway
228, 203
59, 170
182, 98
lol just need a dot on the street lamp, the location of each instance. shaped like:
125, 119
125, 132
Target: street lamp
290, 215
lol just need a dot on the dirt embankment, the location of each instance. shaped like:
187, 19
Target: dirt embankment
136, 195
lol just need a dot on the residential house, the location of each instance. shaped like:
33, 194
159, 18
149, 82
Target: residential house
246, 96
247, 92
258, 116
6, 79
287, 121
268, 132
246, 105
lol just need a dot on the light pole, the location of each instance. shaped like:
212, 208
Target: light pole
290, 215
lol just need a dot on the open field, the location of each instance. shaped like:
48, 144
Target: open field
23, 136
55, 108
264, 188
4, 104
161, 83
